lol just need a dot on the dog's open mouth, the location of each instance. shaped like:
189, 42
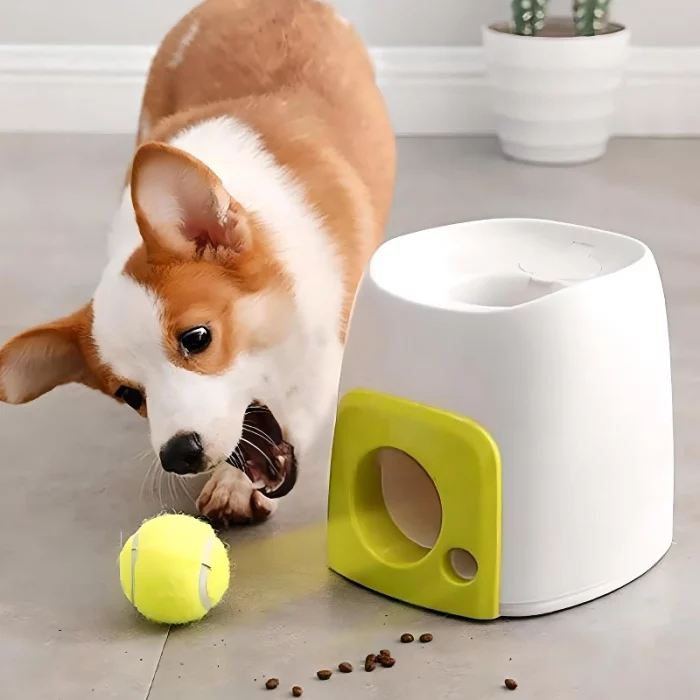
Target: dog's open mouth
264, 455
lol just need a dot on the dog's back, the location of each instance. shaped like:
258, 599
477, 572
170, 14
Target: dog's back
293, 69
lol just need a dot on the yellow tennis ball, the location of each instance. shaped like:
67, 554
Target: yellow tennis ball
174, 569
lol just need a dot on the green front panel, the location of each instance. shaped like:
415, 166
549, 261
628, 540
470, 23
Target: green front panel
365, 545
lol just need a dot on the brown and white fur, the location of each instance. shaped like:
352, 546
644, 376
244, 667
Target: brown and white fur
261, 185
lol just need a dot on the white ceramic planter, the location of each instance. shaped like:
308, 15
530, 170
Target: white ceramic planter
554, 97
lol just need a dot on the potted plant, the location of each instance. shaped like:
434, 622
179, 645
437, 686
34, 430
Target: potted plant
554, 80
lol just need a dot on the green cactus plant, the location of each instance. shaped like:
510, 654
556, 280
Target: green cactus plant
529, 16
590, 16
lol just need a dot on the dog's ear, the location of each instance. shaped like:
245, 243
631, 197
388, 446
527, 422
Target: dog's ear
182, 206
44, 357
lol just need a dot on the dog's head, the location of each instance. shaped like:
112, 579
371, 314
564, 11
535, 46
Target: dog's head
179, 328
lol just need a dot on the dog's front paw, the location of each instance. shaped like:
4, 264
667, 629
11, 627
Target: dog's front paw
229, 498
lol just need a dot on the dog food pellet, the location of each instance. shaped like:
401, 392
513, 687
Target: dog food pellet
370, 663
272, 683
510, 684
407, 638
386, 661
324, 675
384, 652
297, 691
345, 667
425, 638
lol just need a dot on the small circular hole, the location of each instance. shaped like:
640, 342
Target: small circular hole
464, 564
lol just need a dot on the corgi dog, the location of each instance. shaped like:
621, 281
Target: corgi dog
260, 186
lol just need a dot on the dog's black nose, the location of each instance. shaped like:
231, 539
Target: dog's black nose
183, 454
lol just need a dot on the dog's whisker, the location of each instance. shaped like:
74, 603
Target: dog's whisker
236, 458
147, 479
273, 467
154, 477
259, 432
183, 483
142, 455
175, 481
255, 447
160, 487
176, 488
139, 457
180, 484
256, 411
165, 481
171, 489
143, 483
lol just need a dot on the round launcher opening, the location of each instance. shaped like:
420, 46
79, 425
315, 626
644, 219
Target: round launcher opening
410, 496
398, 507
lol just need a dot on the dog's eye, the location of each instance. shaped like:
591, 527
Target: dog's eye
195, 340
131, 397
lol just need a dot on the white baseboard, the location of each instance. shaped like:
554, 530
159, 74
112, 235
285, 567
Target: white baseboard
441, 90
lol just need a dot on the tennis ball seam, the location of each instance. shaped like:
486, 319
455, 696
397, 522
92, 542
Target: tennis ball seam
134, 557
204, 570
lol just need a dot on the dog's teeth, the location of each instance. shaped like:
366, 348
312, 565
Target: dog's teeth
282, 460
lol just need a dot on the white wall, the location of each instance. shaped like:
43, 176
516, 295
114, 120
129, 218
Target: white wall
459, 21
382, 22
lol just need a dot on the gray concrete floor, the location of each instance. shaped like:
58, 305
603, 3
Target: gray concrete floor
72, 483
